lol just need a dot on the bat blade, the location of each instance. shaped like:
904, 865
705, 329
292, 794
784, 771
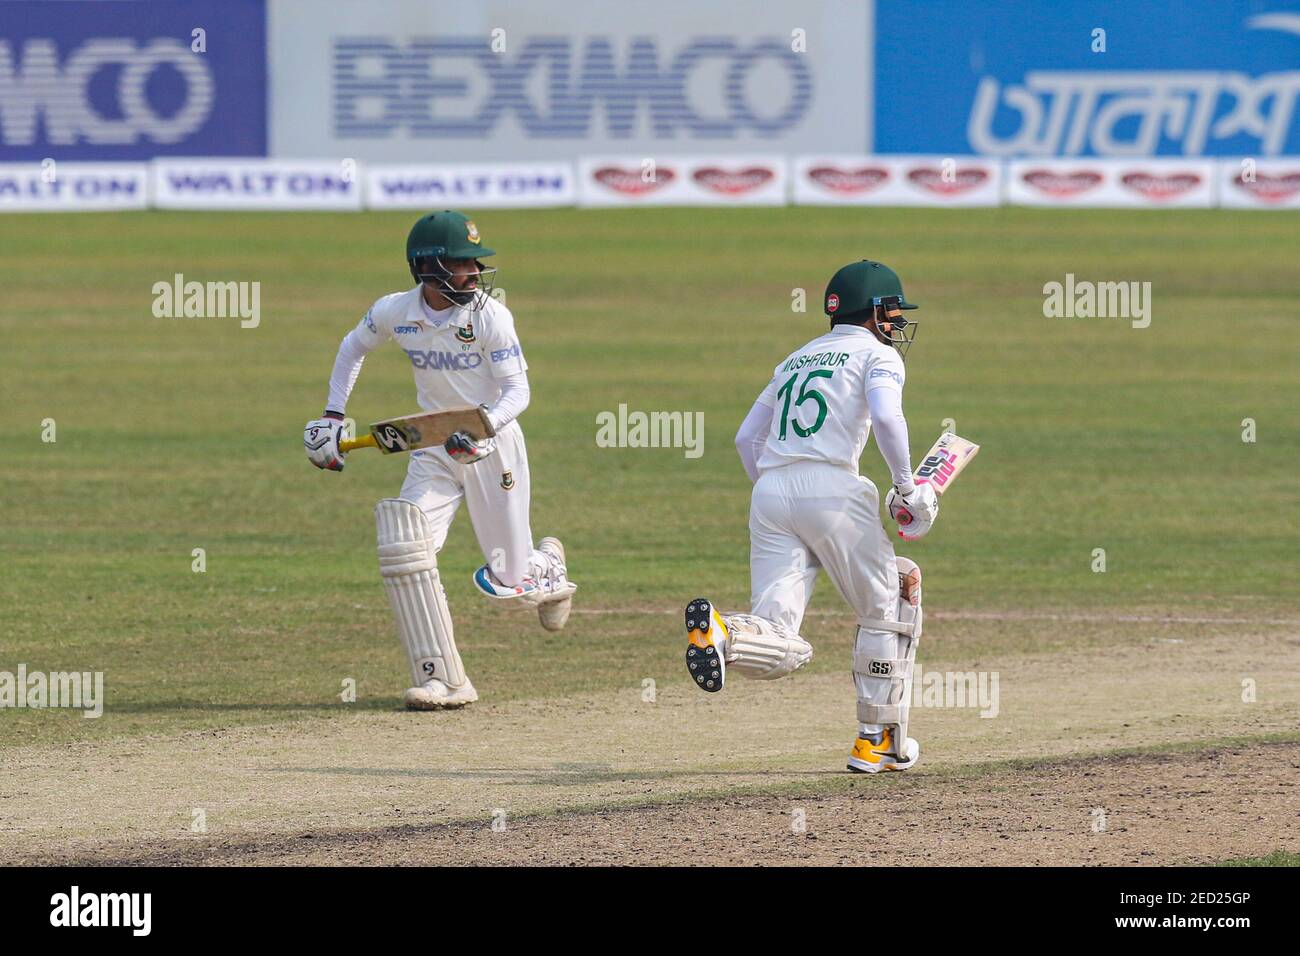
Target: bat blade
423, 430
945, 461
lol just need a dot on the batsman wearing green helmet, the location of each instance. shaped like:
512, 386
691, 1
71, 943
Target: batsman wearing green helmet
464, 351
811, 510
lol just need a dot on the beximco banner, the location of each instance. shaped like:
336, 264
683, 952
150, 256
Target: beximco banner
401, 81
1083, 78
116, 80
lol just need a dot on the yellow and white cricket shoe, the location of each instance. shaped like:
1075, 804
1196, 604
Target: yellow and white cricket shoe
433, 694
707, 647
875, 752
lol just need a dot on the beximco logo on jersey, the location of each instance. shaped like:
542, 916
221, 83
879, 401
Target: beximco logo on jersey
82, 80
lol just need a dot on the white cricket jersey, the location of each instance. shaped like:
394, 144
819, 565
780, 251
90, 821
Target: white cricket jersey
819, 398
456, 355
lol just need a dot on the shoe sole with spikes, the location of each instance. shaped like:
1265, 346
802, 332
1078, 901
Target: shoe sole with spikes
703, 659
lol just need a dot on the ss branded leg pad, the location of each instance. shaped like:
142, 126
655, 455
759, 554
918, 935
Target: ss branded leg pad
410, 572
884, 655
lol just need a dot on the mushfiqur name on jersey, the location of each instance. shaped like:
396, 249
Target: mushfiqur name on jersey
819, 397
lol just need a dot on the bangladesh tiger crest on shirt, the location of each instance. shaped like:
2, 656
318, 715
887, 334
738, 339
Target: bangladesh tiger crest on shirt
467, 333
507, 480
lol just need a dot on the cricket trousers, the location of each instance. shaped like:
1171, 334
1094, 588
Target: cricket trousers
812, 515
495, 488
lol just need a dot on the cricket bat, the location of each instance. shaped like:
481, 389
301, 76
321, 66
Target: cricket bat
423, 430
941, 466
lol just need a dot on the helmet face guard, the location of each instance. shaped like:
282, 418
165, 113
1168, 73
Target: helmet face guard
891, 325
435, 272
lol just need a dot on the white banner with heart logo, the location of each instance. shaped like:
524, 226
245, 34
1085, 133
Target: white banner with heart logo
1259, 183
897, 181
682, 181
1149, 183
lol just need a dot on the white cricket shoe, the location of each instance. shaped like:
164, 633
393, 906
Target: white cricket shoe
555, 614
433, 694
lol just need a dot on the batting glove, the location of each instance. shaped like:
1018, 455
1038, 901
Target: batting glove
321, 439
914, 509
464, 448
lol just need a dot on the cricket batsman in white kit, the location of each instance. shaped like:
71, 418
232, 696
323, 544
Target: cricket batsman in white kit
811, 510
464, 351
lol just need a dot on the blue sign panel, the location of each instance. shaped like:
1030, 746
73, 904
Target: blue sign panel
120, 80
1142, 78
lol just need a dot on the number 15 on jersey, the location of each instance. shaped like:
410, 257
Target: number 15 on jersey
806, 394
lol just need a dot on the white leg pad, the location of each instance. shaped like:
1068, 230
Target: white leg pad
410, 573
884, 656
762, 649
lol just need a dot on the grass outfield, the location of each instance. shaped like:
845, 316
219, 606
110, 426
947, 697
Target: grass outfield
1277, 858
182, 434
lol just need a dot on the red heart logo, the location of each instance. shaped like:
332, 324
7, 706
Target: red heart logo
848, 180
1062, 184
733, 183
1271, 188
959, 182
1161, 187
630, 181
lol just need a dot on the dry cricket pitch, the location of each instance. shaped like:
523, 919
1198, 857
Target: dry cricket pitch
1140, 752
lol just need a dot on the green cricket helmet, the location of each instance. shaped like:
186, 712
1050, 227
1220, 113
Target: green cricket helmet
440, 238
867, 289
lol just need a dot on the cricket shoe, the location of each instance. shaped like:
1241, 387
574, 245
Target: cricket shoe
875, 752
555, 614
707, 650
433, 694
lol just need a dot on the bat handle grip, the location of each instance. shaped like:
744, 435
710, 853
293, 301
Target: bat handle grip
365, 441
